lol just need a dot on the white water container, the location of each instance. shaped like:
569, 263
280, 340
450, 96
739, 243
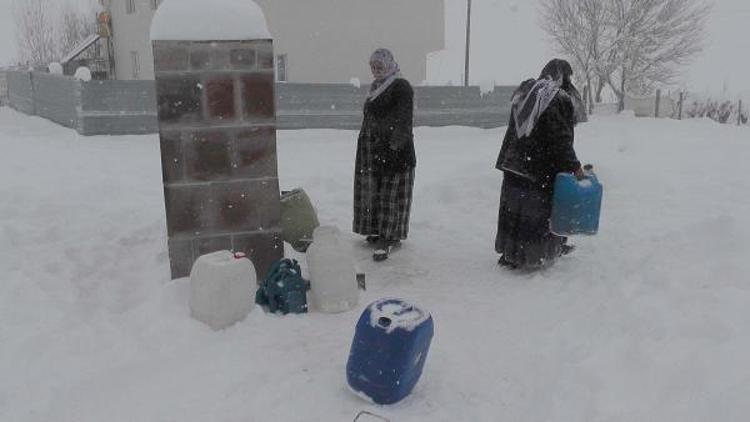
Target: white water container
221, 289
333, 279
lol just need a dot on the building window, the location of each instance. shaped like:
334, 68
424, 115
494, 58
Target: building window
281, 68
130, 6
155, 4
136, 64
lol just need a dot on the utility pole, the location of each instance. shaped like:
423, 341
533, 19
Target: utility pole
468, 42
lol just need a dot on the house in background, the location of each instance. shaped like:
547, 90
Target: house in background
316, 41
93, 52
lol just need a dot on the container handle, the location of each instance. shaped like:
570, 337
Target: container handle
366, 413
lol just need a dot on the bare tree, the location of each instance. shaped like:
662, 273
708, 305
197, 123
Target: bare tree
578, 28
629, 45
73, 27
35, 35
655, 39
42, 39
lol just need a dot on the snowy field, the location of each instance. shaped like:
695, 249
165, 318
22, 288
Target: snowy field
649, 321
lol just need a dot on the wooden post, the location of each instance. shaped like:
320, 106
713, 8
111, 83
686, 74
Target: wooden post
682, 99
33, 92
658, 101
739, 114
622, 92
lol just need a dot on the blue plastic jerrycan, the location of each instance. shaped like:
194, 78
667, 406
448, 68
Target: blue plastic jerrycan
389, 350
576, 205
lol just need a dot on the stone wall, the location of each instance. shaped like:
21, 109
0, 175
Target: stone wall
21, 92
3, 88
117, 108
92, 108
325, 106
56, 98
129, 107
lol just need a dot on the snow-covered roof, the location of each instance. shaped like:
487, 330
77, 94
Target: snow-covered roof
209, 20
80, 48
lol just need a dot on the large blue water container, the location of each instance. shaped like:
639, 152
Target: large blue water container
576, 205
389, 350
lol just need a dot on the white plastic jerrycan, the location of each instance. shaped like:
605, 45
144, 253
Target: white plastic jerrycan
222, 289
333, 279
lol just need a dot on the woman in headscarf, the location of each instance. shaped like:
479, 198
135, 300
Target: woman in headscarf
537, 146
384, 169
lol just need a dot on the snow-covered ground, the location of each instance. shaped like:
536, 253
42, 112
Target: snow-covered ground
648, 321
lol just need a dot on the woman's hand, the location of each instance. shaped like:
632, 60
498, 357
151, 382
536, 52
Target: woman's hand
580, 174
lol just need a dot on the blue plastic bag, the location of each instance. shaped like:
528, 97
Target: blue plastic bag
284, 290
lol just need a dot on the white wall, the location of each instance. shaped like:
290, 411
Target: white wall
326, 41
331, 40
646, 106
131, 34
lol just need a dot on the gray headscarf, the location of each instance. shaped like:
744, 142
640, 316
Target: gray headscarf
389, 72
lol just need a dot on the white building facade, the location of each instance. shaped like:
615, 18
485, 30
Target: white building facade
316, 41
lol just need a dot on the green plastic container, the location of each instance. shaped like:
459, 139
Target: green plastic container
298, 219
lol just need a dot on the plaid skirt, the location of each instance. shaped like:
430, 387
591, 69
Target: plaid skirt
382, 204
523, 234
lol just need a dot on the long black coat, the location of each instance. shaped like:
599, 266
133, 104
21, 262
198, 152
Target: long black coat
531, 165
548, 151
387, 129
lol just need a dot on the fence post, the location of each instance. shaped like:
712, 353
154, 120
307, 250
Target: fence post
33, 93
739, 114
658, 101
682, 99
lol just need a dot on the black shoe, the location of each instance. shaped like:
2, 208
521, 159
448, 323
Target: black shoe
383, 250
372, 239
505, 263
381, 255
567, 250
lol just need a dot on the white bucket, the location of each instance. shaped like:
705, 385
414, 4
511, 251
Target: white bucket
221, 289
333, 278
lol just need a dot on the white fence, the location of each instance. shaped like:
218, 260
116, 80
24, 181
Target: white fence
682, 105
661, 106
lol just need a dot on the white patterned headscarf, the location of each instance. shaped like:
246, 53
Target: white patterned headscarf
530, 101
533, 97
385, 73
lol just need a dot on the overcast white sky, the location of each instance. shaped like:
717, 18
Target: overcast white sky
508, 45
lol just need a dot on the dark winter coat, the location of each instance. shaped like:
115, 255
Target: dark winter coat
549, 149
388, 129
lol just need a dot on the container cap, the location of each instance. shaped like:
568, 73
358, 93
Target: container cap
392, 314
